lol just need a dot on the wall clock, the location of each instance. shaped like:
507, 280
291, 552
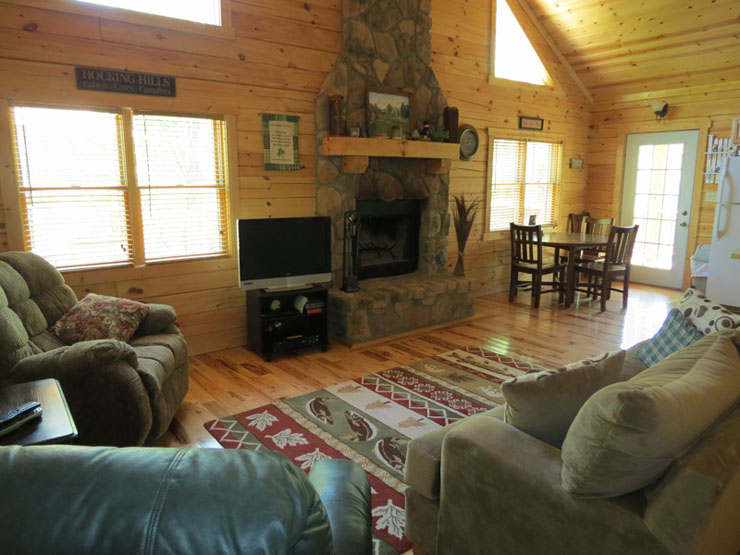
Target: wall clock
468, 142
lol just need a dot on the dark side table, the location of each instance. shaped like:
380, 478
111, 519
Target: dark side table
55, 425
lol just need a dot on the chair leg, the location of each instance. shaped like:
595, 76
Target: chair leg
512, 284
605, 284
626, 288
536, 290
561, 286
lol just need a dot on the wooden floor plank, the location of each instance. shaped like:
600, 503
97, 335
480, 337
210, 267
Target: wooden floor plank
226, 382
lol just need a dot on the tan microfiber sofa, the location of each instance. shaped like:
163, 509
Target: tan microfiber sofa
481, 486
118, 393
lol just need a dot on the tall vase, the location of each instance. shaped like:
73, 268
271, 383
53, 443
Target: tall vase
460, 265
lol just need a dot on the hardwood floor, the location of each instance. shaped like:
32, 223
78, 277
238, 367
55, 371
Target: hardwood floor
234, 380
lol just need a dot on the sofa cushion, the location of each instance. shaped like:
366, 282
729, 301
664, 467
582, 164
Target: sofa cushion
424, 457
675, 333
627, 434
705, 314
100, 317
544, 403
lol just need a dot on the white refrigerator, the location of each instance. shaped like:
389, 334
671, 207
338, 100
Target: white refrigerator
723, 282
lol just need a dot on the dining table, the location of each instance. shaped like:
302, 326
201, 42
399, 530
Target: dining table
572, 243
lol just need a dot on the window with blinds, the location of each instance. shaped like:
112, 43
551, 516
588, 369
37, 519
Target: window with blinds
182, 185
525, 182
83, 206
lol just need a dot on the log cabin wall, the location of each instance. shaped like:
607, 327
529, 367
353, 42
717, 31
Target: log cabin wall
272, 57
709, 111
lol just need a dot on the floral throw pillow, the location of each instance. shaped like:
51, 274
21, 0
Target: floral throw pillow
100, 317
705, 314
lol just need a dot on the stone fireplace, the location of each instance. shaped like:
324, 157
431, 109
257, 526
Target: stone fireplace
403, 201
388, 238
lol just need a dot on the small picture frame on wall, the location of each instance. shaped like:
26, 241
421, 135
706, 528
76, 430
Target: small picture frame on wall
735, 136
531, 124
388, 112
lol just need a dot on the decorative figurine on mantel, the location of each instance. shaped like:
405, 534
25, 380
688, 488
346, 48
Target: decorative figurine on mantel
426, 132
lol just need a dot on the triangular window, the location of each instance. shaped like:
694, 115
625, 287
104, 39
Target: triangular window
515, 57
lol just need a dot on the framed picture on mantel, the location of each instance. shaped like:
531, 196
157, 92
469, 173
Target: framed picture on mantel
388, 114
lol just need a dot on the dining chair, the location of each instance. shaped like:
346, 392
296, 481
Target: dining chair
596, 226
577, 222
526, 257
616, 263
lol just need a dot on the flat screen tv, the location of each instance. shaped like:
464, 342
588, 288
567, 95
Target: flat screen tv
276, 253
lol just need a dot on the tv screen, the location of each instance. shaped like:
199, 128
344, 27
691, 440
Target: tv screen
284, 252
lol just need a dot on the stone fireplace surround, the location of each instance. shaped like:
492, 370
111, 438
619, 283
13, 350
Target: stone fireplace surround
387, 46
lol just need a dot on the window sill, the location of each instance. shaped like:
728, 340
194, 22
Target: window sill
225, 30
501, 234
508, 83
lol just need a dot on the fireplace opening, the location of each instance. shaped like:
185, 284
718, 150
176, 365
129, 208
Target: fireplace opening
389, 237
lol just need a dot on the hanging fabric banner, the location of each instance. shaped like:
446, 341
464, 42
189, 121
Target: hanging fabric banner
280, 141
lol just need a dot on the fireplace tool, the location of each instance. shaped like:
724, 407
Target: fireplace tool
350, 251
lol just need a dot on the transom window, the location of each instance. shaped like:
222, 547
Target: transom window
101, 188
200, 11
525, 182
514, 56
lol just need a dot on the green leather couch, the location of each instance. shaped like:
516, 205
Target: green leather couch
119, 393
97, 500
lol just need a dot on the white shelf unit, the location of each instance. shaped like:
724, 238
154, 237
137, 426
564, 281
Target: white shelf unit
717, 150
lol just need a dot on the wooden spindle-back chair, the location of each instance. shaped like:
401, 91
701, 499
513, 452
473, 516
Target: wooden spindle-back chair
526, 257
616, 263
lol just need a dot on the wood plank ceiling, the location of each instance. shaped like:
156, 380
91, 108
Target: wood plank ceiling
635, 49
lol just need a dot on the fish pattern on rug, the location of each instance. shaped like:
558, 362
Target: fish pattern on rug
370, 420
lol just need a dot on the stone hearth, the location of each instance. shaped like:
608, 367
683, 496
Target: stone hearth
387, 46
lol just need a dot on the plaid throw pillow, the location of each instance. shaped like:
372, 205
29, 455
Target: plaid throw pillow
675, 334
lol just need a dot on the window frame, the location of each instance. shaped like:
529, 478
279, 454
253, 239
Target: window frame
519, 136
14, 211
550, 85
224, 30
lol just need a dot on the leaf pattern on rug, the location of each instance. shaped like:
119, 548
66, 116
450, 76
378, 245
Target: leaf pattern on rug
307, 460
490, 391
287, 437
377, 405
392, 519
459, 378
350, 388
433, 368
410, 422
262, 420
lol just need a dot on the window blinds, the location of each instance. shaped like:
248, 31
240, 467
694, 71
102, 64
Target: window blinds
72, 185
525, 181
78, 190
181, 175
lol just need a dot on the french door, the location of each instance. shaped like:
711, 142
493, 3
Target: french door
657, 192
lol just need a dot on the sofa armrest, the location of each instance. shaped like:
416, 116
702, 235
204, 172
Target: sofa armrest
501, 487
105, 394
161, 319
90, 500
345, 492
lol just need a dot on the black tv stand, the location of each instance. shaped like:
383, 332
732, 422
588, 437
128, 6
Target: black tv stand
275, 326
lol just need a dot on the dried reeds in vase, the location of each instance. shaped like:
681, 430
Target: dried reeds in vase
463, 216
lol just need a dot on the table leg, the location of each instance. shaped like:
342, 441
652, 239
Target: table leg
570, 272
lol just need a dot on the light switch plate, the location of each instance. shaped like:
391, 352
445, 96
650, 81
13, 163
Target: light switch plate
711, 196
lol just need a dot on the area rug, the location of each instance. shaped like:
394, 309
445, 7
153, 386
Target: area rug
370, 420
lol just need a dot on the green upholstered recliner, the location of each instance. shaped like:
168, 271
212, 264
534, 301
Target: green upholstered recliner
92, 500
119, 394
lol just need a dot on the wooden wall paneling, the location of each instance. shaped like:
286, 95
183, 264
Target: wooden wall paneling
273, 61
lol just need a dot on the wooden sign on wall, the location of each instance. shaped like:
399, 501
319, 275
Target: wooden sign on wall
111, 80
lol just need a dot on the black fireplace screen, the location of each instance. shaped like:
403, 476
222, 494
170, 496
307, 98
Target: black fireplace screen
389, 237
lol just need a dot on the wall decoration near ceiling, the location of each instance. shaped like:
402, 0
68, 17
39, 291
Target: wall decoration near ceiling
280, 142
